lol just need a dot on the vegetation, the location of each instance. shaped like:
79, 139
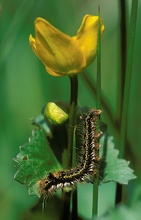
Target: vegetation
111, 83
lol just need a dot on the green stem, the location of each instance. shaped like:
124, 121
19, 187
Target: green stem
72, 116
66, 205
131, 40
121, 80
95, 198
71, 149
74, 206
122, 63
98, 105
98, 98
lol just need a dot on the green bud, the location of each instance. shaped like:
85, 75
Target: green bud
55, 114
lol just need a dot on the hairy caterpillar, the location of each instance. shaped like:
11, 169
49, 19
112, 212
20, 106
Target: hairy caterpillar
84, 170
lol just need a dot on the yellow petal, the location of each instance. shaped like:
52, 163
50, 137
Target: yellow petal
62, 54
59, 52
53, 73
87, 37
33, 44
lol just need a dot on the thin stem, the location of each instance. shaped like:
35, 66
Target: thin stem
98, 105
123, 43
98, 98
121, 79
122, 64
95, 198
74, 194
131, 40
72, 124
72, 116
74, 206
66, 205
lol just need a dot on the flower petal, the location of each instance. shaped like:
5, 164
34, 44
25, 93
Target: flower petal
87, 37
59, 52
33, 44
62, 54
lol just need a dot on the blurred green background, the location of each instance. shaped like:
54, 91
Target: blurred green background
25, 88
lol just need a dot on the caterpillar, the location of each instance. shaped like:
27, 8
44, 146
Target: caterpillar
85, 169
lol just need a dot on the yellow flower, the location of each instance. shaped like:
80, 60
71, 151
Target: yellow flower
62, 54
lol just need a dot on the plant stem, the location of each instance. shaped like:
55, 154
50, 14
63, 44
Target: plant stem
122, 62
74, 205
98, 98
72, 124
66, 205
131, 39
95, 198
98, 105
121, 80
72, 116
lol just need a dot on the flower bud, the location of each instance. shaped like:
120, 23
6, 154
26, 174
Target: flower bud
55, 114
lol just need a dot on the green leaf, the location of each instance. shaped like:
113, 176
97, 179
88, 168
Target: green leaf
34, 161
115, 169
122, 213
